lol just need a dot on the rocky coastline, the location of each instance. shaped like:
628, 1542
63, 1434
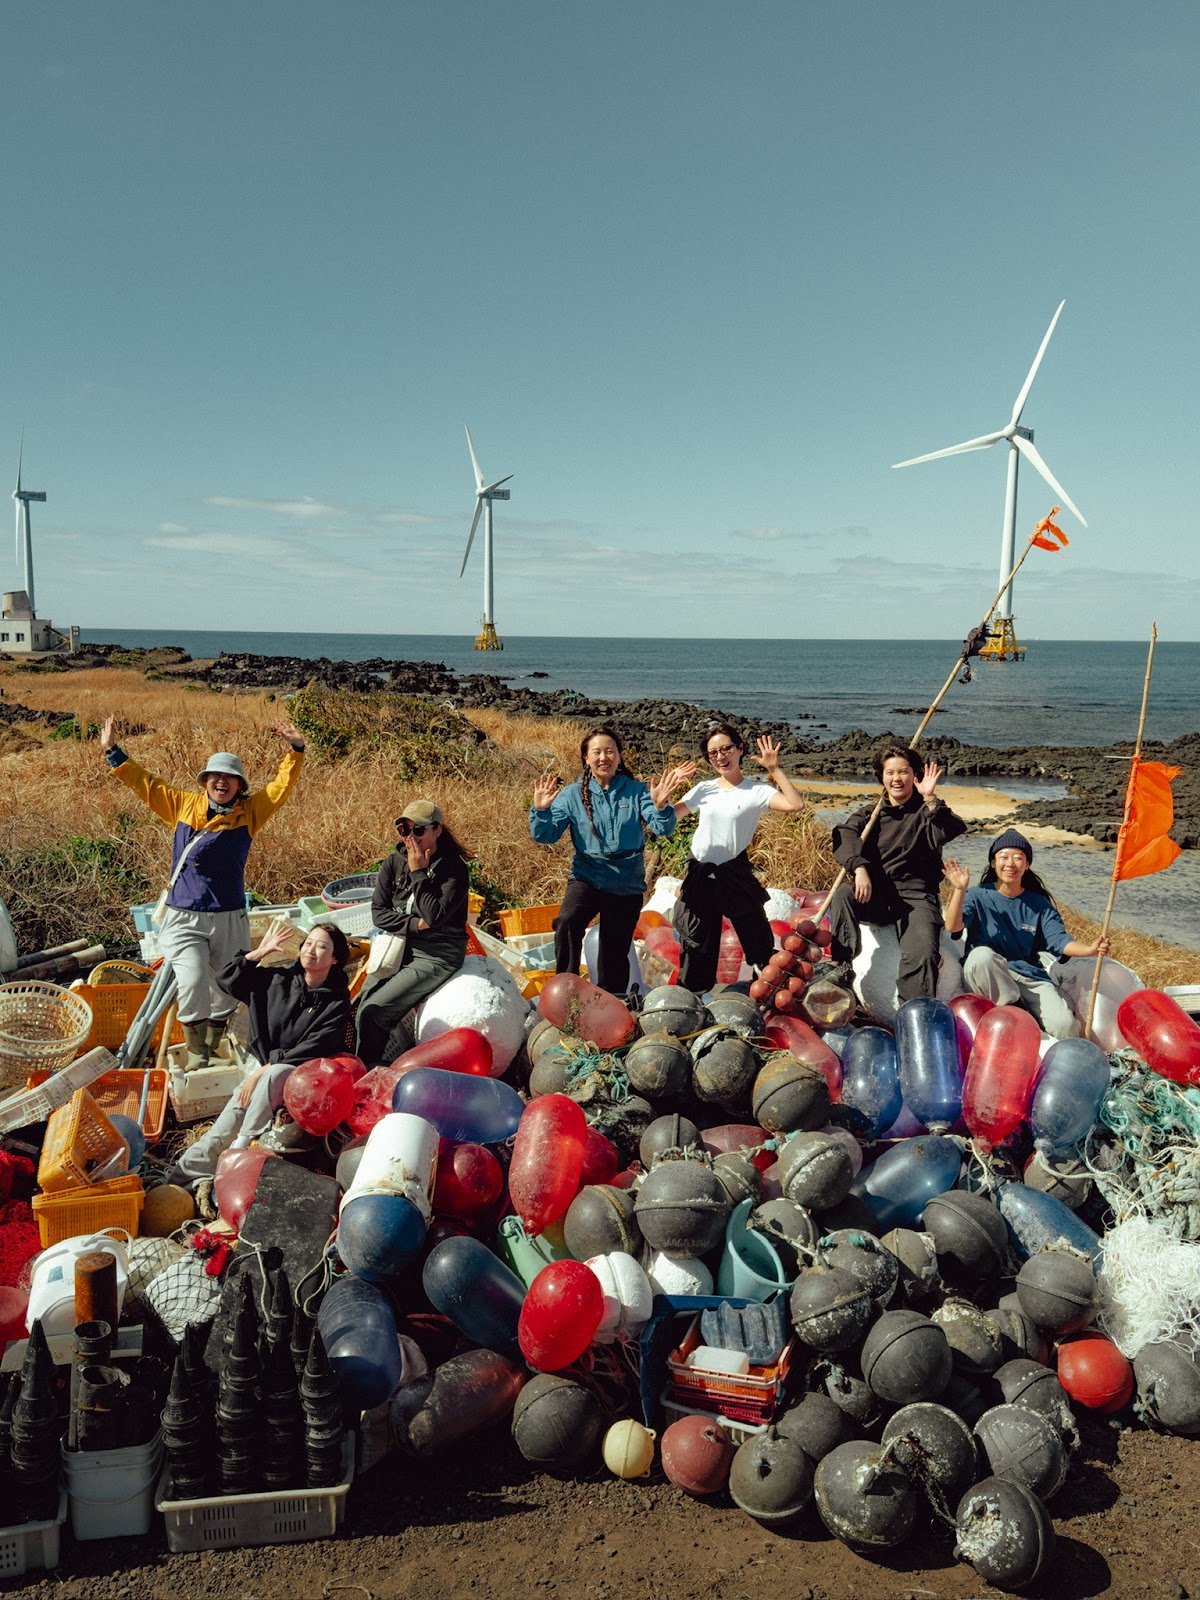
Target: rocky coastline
1094, 776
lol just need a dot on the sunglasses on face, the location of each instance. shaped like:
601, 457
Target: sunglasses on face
404, 827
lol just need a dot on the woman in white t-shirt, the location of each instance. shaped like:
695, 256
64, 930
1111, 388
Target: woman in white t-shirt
719, 881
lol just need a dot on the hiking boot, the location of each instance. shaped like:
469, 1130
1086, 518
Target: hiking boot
196, 1037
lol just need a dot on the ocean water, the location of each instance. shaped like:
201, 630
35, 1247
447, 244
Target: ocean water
1066, 693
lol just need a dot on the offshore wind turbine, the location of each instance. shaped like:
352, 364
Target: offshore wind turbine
25, 544
1003, 643
485, 493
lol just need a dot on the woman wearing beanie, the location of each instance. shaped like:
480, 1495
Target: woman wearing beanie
1009, 921
421, 897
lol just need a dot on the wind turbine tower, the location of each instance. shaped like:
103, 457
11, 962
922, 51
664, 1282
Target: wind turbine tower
23, 497
485, 493
1002, 644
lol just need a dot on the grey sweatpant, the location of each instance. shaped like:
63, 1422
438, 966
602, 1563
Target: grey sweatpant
237, 1126
198, 944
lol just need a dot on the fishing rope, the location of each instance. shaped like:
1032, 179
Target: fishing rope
1156, 1126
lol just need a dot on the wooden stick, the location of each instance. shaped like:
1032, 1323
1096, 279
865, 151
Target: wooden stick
924, 723
1112, 887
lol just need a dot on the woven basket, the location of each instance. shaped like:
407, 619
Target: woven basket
42, 1026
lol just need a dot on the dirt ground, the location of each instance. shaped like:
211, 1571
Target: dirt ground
481, 1523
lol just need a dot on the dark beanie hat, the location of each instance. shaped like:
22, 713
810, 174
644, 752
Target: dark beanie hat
1010, 839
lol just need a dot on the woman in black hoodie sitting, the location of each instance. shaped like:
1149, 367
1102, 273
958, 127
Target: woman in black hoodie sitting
297, 1012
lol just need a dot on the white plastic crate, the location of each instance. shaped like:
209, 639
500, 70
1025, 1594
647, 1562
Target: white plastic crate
279, 1516
355, 922
204, 1091
32, 1544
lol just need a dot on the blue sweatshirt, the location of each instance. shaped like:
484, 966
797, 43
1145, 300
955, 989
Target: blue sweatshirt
610, 857
1019, 927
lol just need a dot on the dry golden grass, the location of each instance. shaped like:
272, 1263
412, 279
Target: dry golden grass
53, 792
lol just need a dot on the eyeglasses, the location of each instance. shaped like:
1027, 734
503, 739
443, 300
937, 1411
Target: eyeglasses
721, 750
404, 827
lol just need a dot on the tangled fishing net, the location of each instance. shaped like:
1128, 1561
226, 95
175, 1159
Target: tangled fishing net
1151, 1166
1149, 1284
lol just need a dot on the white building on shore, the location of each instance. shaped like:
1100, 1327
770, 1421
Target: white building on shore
23, 634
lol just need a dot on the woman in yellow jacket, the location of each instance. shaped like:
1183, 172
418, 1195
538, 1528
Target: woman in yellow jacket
204, 925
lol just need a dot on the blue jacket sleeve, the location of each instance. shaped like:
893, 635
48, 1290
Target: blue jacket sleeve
659, 819
547, 827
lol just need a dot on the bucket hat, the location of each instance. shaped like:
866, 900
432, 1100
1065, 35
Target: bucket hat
222, 761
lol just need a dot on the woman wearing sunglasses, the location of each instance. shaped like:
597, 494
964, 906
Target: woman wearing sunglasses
421, 896
719, 881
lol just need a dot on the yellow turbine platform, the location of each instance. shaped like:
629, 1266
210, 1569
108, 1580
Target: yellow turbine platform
487, 638
1002, 643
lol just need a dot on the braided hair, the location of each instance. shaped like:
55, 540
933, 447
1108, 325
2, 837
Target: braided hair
600, 731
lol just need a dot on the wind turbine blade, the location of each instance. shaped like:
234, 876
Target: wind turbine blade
471, 535
954, 450
20, 457
474, 460
1019, 406
1035, 461
495, 485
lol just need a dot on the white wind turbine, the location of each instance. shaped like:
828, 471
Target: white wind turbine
485, 493
25, 544
1020, 443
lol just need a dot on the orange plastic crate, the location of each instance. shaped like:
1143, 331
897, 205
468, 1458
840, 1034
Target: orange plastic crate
121, 1091
114, 1006
79, 1140
754, 1397
116, 1204
528, 919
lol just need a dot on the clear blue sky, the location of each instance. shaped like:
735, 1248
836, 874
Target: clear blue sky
694, 273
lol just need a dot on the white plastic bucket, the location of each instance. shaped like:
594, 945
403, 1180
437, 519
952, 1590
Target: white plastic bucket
399, 1157
52, 1280
112, 1491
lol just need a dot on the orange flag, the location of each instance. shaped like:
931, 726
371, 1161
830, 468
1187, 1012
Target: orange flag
1047, 531
1142, 844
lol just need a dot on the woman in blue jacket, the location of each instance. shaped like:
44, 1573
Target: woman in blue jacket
1010, 921
605, 809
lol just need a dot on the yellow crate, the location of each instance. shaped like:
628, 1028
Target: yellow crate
114, 1006
79, 1141
121, 1091
474, 905
537, 982
116, 1204
528, 919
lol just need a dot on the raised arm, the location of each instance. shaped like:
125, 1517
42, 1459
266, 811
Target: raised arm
787, 798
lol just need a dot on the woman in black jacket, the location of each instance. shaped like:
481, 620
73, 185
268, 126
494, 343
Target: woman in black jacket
420, 896
297, 1012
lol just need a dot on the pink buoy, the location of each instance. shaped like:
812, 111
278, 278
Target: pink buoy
601, 1162
560, 1315
729, 955
373, 1098
469, 1180
456, 1050
547, 1159
235, 1180
794, 1034
319, 1094
1000, 1075
1162, 1033
580, 1009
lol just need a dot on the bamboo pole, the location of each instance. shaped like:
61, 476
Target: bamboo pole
928, 717
1112, 887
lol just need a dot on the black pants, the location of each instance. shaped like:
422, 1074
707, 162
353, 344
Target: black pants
917, 918
707, 896
618, 918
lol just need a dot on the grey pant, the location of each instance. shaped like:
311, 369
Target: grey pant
385, 1001
986, 972
198, 944
237, 1127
